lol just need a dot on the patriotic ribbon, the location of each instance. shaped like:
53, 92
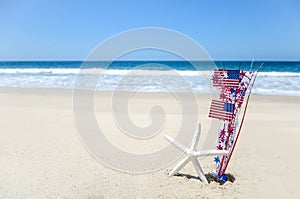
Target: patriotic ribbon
233, 85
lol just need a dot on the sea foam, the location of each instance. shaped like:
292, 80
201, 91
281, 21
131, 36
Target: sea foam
278, 83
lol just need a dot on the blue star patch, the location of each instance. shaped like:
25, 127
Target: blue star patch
217, 159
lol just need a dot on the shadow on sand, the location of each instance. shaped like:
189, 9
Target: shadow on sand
210, 177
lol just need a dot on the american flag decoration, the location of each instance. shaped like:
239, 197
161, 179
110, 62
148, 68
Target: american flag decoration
221, 110
223, 77
233, 85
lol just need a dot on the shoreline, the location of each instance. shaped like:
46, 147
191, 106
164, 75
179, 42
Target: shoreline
68, 90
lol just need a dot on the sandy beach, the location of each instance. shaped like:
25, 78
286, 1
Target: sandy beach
41, 155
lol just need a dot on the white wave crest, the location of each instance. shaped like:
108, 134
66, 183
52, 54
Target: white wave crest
279, 74
65, 71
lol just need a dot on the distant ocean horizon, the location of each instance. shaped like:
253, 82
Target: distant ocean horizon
275, 77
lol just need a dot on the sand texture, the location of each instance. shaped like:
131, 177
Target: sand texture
41, 155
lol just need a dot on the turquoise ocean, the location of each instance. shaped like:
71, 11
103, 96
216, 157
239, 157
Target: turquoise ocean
275, 77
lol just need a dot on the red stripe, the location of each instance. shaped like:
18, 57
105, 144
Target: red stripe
226, 82
221, 117
217, 112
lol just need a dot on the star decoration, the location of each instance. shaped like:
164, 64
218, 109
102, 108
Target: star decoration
232, 90
225, 75
217, 159
243, 74
192, 154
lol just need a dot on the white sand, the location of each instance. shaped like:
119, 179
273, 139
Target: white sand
41, 154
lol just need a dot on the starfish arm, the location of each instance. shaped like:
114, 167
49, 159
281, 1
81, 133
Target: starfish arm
196, 137
179, 166
199, 170
177, 144
209, 153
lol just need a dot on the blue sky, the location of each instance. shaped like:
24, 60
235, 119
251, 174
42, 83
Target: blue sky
228, 30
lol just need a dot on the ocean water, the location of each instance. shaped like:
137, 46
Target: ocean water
275, 78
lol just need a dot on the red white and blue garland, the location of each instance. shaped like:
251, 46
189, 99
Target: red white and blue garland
233, 85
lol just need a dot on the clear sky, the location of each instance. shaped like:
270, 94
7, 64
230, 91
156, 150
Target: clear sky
227, 29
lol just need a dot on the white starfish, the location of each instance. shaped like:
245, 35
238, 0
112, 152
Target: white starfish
192, 154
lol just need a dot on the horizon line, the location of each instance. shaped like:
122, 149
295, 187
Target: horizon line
216, 60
